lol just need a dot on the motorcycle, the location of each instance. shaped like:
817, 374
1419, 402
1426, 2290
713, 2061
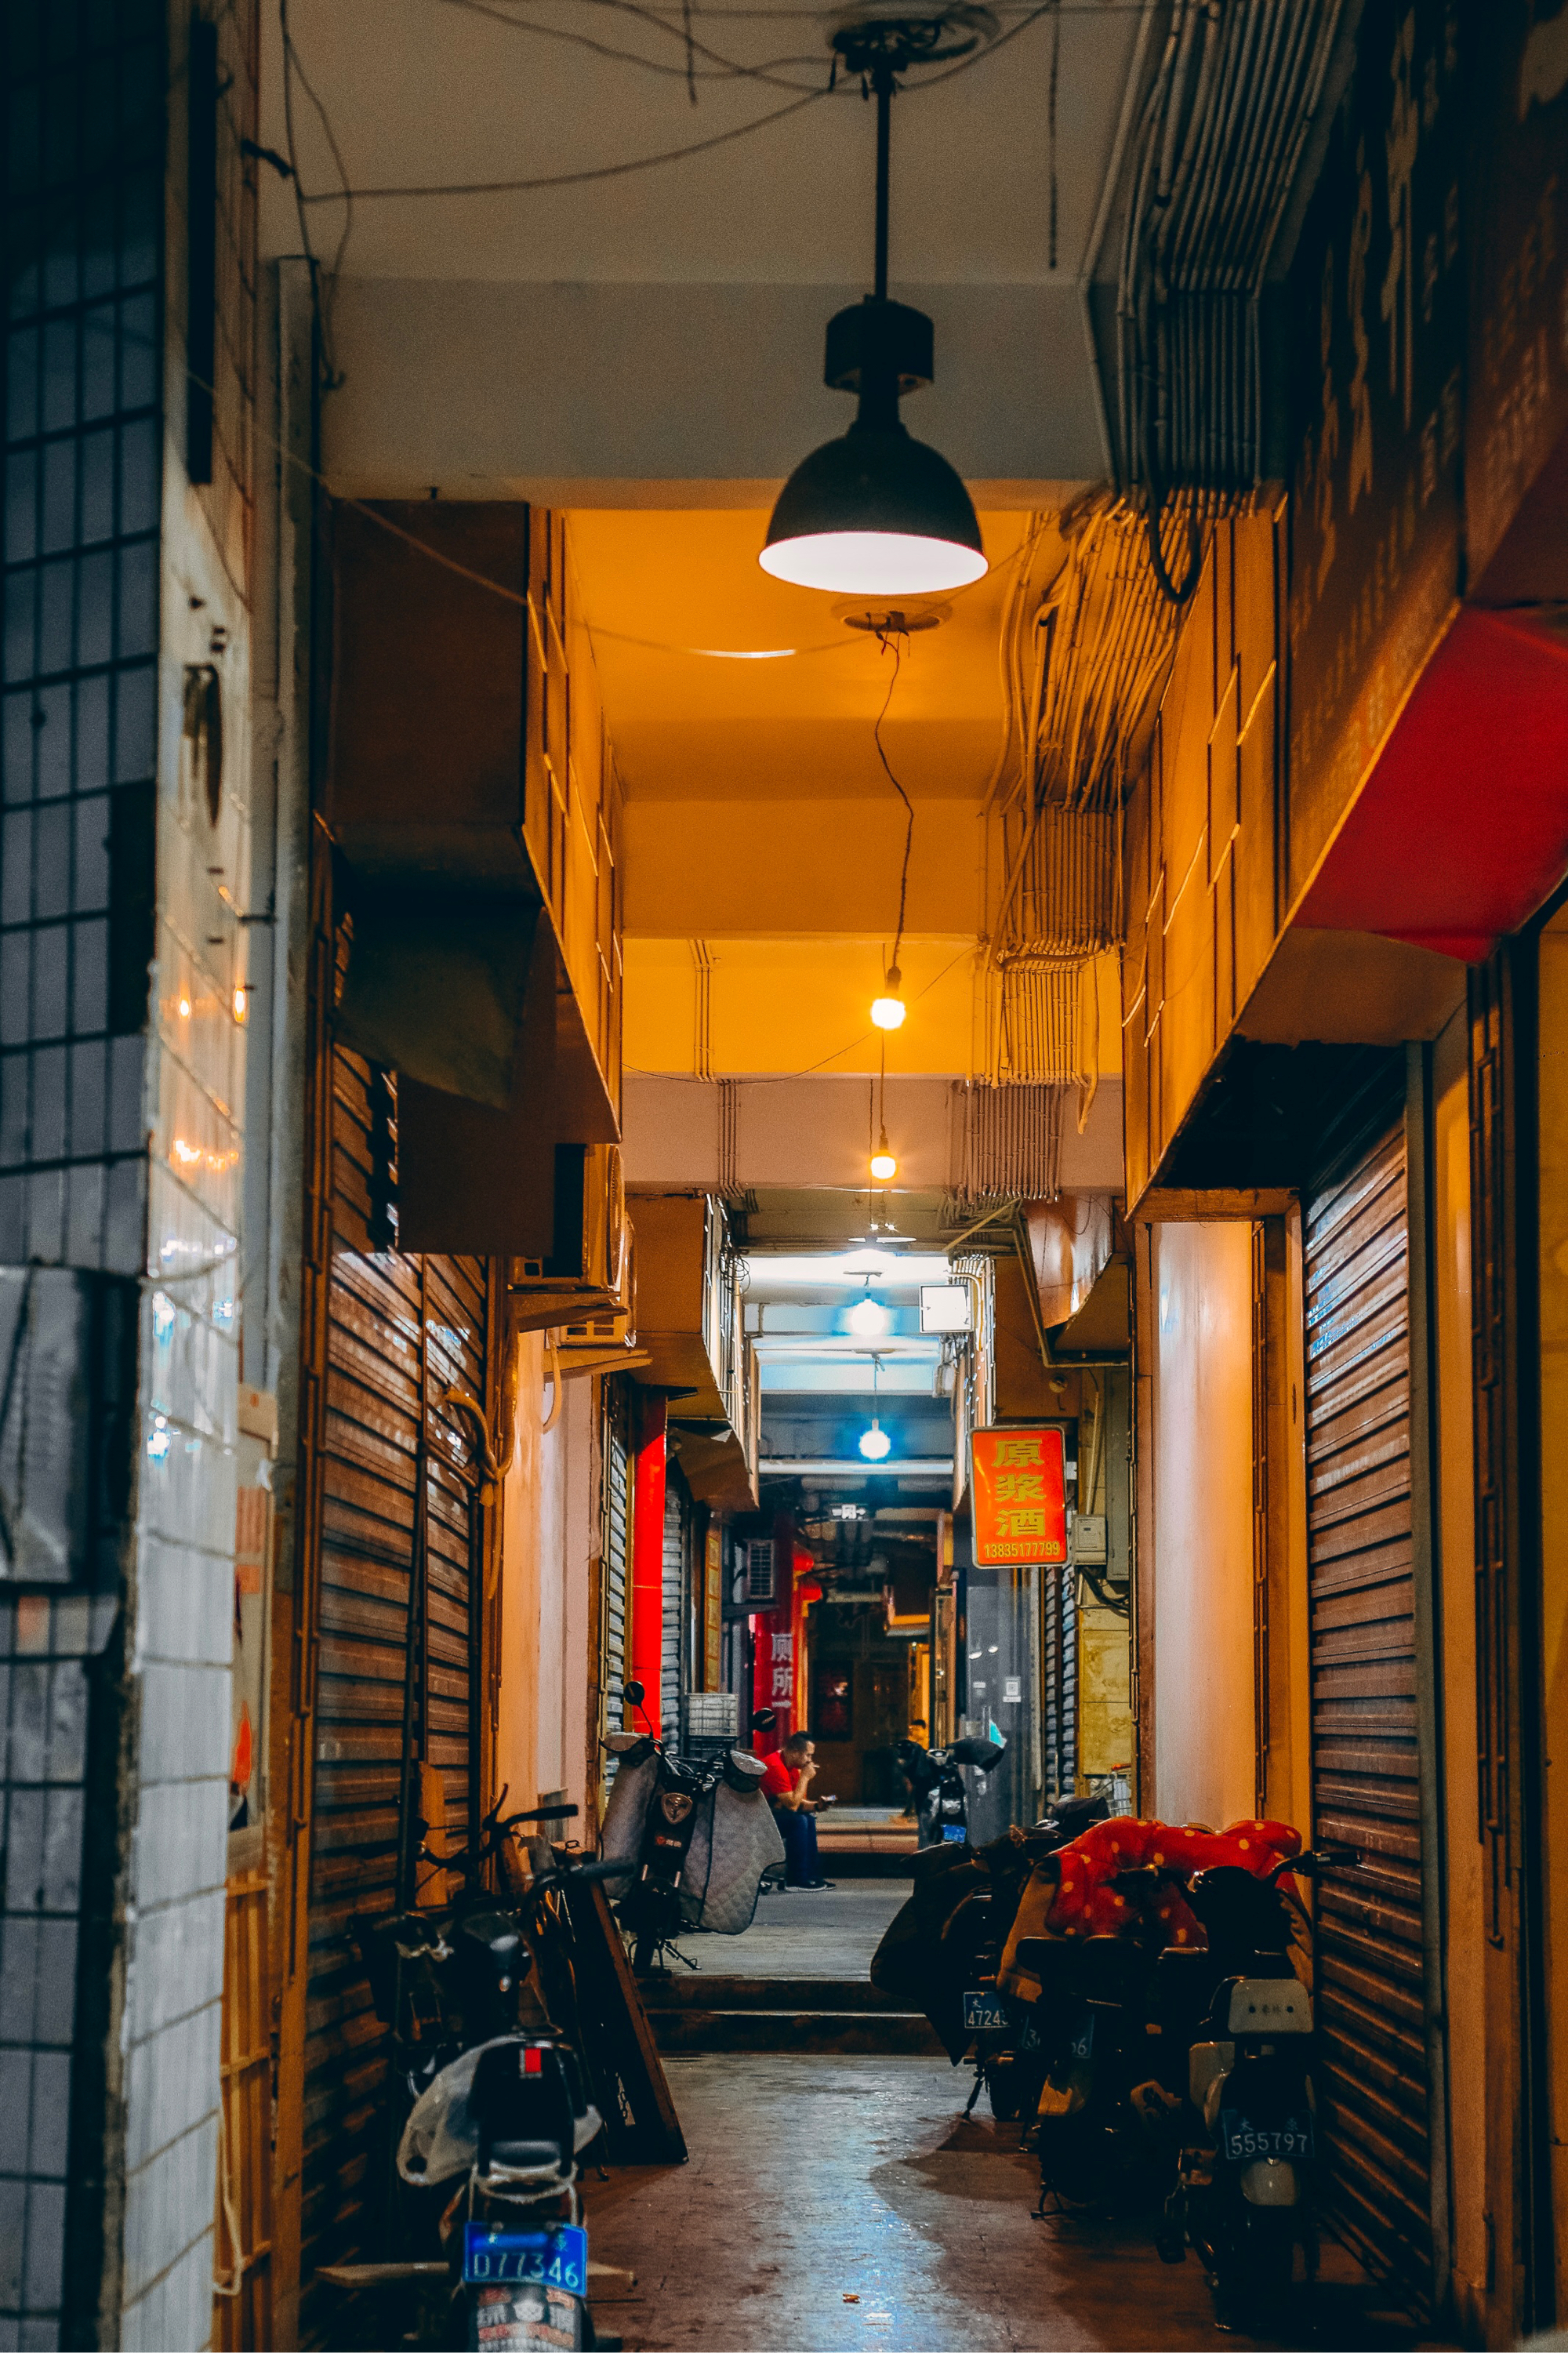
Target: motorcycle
1011, 2045
1244, 2188
693, 1840
937, 1786
512, 2119
940, 1953
1089, 2133
447, 1977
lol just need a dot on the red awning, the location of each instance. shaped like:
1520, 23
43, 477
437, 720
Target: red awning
1461, 829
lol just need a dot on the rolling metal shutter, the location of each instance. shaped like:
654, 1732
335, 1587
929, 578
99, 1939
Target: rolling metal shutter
1059, 1682
677, 1527
615, 1540
398, 1677
1372, 2081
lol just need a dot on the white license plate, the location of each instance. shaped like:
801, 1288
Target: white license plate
1241, 2139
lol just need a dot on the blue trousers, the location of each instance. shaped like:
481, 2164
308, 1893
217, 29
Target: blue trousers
799, 1834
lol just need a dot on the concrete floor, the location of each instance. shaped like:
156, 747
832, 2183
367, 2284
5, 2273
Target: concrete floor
806, 1932
836, 2201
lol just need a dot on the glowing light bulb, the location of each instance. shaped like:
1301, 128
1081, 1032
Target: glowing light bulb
884, 1167
241, 1004
888, 1011
184, 1009
867, 1318
875, 1443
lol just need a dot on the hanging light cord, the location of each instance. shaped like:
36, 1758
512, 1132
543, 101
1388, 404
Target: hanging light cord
893, 640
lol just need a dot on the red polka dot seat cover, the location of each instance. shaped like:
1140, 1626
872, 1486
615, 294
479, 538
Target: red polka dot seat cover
1084, 1899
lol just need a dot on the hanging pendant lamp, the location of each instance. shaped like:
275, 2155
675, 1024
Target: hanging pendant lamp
877, 513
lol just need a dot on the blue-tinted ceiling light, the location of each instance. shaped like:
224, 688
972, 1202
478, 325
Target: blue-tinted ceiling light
875, 1443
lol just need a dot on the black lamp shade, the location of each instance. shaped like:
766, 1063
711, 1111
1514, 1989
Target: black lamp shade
875, 513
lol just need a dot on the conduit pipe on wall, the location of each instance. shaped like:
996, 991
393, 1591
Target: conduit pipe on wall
552, 1375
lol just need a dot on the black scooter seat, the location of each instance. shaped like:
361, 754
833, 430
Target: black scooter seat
525, 2155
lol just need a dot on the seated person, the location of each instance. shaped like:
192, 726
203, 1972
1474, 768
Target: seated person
787, 1778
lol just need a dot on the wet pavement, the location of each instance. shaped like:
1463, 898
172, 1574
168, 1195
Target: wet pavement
834, 2201
840, 2201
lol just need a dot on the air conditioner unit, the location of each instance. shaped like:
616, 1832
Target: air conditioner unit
605, 1341
760, 1573
588, 1264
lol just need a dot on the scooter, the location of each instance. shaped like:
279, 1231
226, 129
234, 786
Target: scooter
1243, 2193
1089, 2134
1010, 2046
508, 2121
693, 1841
937, 1785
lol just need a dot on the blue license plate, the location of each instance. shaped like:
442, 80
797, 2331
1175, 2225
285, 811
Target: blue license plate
953, 1832
556, 2258
1242, 2139
984, 2013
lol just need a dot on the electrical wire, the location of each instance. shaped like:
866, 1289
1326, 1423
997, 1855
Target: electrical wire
351, 195
324, 305
574, 179
721, 69
895, 639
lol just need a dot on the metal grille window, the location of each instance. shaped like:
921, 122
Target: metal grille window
82, 486
760, 1573
78, 694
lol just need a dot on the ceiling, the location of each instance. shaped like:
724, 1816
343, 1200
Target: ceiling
422, 92
847, 1323
669, 594
660, 330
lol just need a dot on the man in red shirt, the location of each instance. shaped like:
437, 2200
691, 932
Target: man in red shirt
787, 1776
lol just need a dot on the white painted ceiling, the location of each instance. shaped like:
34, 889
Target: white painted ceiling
439, 91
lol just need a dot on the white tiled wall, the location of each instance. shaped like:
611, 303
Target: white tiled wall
185, 1551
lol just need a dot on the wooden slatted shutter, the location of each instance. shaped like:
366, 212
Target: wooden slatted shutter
616, 1544
399, 1582
1365, 1665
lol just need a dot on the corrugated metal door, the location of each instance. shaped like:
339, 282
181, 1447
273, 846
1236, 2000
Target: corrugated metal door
676, 1533
397, 1681
1370, 2003
1060, 1683
616, 1543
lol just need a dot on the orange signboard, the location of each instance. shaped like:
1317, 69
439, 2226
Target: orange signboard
1020, 1489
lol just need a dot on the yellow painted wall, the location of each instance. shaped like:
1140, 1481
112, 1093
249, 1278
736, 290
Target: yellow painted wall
1553, 1114
1456, 1589
1203, 1719
546, 1538
804, 1004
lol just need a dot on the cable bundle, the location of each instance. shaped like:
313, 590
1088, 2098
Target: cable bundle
1223, 133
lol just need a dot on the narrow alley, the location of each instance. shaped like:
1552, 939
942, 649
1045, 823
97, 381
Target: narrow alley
784, 1175
882, 2214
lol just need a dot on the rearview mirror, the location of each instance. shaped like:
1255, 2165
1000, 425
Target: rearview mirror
632, 1694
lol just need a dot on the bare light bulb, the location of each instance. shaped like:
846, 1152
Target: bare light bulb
875, 1443
888, 1011
867, 1318
884, 1168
